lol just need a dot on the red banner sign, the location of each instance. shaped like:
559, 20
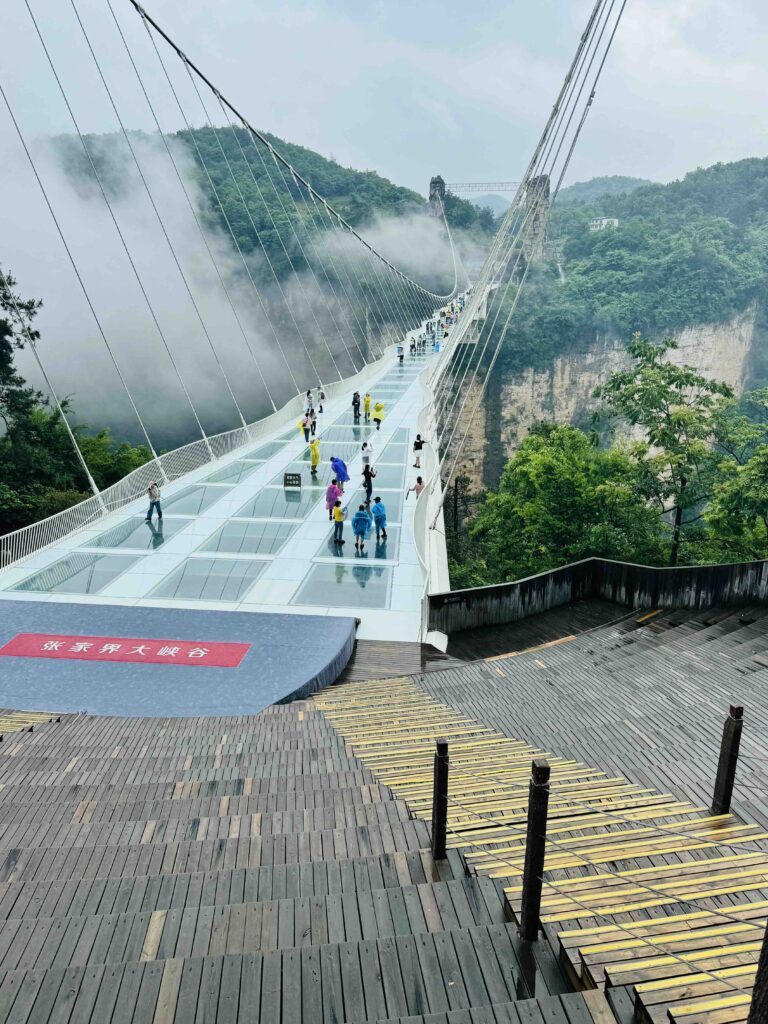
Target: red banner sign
120, 648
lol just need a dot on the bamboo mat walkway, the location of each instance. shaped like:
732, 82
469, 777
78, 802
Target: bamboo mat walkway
615, 849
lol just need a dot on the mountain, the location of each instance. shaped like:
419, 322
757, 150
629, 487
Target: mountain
497, 204
611, 185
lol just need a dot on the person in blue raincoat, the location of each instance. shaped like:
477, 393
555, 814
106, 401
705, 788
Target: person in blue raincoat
361, 527
379, 517
340, 471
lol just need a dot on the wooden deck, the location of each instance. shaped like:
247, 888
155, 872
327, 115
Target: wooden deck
379, 659
559, 624
242, 869
646, 894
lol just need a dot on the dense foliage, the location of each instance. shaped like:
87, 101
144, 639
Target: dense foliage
597, 188
690, 252
39, 471
692, 489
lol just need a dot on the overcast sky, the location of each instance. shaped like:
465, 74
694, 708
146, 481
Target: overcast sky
418, 88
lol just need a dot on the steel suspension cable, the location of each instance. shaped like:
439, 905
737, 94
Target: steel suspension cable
564, 169
7, 290
192, 67
257, 234
81, 282
295, 234
346, 305
328, 237
558, 127
191, 206
262, 302
159, 217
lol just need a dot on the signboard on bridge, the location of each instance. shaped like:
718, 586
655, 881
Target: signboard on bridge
132, 649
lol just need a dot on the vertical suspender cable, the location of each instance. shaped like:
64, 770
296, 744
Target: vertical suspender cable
262, 302
158, 216
192, 207
127, 252
6, 287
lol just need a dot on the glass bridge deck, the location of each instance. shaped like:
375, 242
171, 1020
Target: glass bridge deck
232, 538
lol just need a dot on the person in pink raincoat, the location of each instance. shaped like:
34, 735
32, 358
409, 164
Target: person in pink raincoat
332, 495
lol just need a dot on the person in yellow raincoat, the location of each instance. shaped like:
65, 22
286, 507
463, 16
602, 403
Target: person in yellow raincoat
314, 455
378, 414
367, 405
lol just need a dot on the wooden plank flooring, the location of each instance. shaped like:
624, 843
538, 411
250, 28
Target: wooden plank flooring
183, 870
556, 625
618, 850
17, 721
379, 659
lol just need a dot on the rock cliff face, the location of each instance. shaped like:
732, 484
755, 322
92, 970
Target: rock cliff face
563, 393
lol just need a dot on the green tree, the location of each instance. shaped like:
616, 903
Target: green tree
40, 473
562, 498
680, 413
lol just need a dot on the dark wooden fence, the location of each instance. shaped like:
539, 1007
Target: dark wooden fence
635, 586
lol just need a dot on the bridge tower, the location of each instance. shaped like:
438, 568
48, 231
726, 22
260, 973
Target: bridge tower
436, 195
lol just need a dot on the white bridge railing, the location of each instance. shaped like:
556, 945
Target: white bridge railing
165, 469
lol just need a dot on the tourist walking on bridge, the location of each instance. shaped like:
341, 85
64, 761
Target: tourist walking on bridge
361, 527
313, 421
305, 424
418, 487
366, 451
320, 399
332, 494
367, 406
378, 414
154, 501
340, 471
368, 475
418, 444
339, 516
379, 517
356, 407
314, 455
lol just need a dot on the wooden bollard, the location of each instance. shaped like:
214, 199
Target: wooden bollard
533, 869
729, 756
440, 800
758, 1010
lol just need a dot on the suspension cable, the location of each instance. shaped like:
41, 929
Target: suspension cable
191, 206
262, 302
158, 215
8, 291
276, 153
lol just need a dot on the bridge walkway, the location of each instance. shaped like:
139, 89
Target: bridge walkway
232, 538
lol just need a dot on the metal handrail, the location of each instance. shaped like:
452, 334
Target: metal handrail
168, 467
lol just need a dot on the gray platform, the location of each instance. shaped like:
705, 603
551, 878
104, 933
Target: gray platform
290, 656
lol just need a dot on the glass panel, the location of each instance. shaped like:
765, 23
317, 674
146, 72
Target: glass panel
276, 503
195, 499
343, 451
391, 500
78, 574
270, 448
393, 453
233, 473
388, 476
322, 479
347, 585
211, 579
249, 538
400, 436
388, 548
347, 434
138, 533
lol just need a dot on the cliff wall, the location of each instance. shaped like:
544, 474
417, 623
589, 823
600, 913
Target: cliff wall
563, 392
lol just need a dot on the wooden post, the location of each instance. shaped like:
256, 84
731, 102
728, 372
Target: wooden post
758, 1011
440, 800
729, 756
533, 869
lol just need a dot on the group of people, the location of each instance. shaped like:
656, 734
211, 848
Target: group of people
308, 422
371, 410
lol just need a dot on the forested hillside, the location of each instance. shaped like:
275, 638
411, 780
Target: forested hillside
597, 188
692, 251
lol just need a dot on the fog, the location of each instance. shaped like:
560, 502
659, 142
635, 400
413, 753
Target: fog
71, 346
